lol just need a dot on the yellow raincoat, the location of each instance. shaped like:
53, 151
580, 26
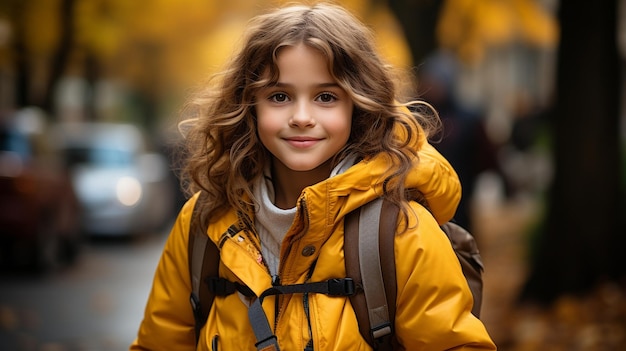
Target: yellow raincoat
433, 298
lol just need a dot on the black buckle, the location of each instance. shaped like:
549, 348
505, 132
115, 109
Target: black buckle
341, 287
268, 343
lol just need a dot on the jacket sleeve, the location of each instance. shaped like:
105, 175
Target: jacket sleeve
434, 301
168, 322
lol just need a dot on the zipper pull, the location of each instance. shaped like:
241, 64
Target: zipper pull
275, 280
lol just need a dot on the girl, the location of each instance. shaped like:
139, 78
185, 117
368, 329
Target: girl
303, 128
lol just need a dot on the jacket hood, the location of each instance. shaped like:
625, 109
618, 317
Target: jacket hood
432, 175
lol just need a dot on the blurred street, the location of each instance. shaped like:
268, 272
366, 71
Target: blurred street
95, 305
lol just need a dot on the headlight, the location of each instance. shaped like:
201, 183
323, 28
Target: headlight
128, 191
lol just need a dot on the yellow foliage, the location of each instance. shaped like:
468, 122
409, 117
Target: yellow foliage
471, 26
389, 37
212, 51
174, 43
536, 26
98, 27
495, 21
41, 26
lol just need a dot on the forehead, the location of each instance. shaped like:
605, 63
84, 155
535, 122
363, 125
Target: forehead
299, 51
299, 59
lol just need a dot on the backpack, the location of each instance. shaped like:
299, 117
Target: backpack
369, 232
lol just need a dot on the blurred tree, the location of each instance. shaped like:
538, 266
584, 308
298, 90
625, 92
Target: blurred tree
155, 49
470, 27
581, 239
418, 20
31, 48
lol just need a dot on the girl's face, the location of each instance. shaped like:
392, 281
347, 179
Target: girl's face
305, 119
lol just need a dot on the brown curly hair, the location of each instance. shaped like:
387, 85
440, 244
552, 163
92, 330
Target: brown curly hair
223, 152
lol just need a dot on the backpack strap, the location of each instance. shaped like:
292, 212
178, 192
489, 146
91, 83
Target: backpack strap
369, 232
204, 258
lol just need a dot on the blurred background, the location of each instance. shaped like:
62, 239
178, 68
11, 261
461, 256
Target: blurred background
529, 92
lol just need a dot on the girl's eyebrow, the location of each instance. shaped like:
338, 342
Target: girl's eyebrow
320, 85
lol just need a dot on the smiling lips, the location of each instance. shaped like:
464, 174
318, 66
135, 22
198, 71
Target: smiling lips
302, 142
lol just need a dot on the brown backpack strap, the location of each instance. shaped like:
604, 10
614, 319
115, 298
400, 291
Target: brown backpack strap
387, 232
204, 258
370, 232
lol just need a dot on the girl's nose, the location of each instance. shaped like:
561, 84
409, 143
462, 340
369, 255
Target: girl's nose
302, 116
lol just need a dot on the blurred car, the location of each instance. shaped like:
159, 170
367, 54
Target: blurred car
39, 212
123, 188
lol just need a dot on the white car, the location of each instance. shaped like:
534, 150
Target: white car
123, 188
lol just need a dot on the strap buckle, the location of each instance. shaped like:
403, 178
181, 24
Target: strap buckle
269, 344
341, 287
381, 330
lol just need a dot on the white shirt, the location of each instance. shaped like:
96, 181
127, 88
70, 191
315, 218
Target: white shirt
272, 223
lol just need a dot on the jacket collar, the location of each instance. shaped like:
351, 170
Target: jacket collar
432, 175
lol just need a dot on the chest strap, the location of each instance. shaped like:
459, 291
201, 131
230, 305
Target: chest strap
266, 340
331, 287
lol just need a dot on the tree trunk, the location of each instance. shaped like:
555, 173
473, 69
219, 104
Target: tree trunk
419, 21
62, 54
581, 240
22, 76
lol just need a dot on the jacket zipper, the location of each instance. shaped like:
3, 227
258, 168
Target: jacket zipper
307, 312
303, 212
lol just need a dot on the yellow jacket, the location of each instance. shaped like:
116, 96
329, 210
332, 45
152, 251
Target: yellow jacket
433, 298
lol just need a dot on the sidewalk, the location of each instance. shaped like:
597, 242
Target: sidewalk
499, 230
596, 322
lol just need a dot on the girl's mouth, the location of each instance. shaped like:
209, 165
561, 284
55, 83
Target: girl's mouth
302, 142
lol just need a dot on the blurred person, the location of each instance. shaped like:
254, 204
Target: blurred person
463, 140
525, 157
304, 127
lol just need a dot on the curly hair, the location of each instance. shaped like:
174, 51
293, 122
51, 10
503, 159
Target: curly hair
224, 153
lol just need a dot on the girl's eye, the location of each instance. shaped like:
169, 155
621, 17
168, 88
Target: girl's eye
326, 97
279, 97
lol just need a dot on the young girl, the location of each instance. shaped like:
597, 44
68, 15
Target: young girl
304, 127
